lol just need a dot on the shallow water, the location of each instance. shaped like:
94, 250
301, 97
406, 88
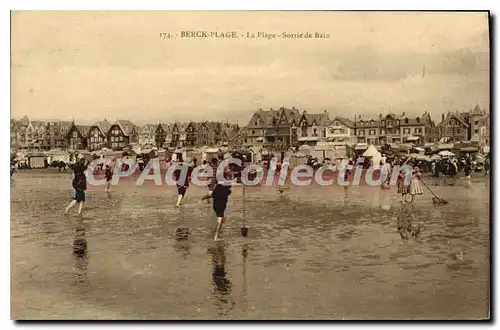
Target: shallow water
311, 253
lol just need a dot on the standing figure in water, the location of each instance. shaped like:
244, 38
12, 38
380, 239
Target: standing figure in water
220, 197
402, 184
213, 180
415, 185
182, 181
79, 183
109, 175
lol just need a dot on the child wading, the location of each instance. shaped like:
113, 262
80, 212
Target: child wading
402, 185
183, 182
415, 185
109, 176
80, 185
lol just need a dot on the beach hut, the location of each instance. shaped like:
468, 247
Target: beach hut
37, 160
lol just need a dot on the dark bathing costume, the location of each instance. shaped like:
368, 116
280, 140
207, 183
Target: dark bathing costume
182, 186
220, 196
108, 174
80, 183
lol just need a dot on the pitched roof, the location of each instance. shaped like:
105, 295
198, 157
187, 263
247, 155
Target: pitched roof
271, 117
103, 126
83, 129
367, 122
412, 121
165, 126
454, 115
319, 118
344, 121
126, 126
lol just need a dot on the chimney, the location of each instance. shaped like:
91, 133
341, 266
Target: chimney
442, 117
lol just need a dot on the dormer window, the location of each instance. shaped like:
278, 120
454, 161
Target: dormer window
361, 123
406, 120
418, 120
397, 122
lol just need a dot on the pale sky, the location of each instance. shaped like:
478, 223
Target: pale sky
91, 65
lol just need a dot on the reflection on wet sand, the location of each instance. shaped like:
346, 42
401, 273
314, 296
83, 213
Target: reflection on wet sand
80, 255
182, 244
347, 245
222, 285
408, 226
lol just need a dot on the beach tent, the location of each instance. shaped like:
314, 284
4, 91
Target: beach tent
371, 151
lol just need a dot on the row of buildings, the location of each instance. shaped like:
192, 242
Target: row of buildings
275, 129
45, 135
283, 127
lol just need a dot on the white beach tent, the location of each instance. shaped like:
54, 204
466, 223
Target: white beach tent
371, 152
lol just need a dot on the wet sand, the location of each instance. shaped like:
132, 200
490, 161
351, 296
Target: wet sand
312, 253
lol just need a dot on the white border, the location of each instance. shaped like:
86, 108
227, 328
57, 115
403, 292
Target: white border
184, 5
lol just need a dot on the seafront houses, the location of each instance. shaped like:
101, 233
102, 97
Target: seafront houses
178, 135
367, 130
340, 131
121, 134
228, 132
313, 127
162, 135
191, 132
55, 134
98, 135
453, 127
273, 128
392, 129
239, 139
204, 134
77, 137
417, 130
146, 135
479, 126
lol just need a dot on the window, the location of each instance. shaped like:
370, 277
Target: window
476, 131
75, 134
362, 132
315, 132
253, 132
382, 131
372, 132
383, 122
337, 123
397, 122
418, 120
361, 123
418, 130
406, 120
476, 122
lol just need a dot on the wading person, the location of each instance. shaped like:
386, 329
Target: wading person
108, 175
401, 184
182, 182
220, 196
79, 183
415, 185
213, 180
